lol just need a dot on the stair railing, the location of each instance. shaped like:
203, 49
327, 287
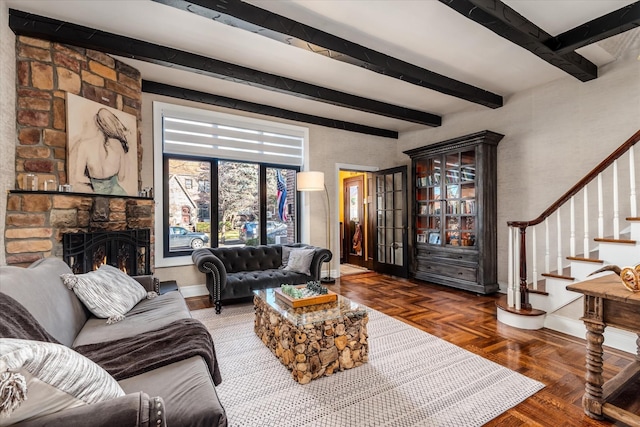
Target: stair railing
520, 251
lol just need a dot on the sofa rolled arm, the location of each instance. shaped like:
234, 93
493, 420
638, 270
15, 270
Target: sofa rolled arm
214, 269
130, 410
320, 256
150, 283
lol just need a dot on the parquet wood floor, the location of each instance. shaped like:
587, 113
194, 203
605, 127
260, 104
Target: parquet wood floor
469, 321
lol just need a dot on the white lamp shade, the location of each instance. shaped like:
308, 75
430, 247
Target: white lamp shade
310, 181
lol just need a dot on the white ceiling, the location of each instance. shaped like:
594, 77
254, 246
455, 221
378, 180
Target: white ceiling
422, 32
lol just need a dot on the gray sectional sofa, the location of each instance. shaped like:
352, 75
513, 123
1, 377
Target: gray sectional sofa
183, 392
235, 272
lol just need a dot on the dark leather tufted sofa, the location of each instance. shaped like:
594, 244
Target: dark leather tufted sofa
235, 272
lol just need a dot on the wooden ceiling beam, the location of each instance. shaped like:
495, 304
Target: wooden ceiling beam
243, 15
509, 24
617, 22
22, 23
252, 107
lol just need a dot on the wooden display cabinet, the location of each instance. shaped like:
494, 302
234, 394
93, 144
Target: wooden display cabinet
454, 212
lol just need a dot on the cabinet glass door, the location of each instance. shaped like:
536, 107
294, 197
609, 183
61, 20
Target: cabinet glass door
460, 220
429, 201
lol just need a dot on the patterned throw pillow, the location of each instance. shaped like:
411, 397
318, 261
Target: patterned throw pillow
39, 378
300, 261
107, 292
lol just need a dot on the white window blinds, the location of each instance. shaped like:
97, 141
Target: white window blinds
202, 133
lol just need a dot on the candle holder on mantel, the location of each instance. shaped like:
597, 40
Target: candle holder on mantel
30, 182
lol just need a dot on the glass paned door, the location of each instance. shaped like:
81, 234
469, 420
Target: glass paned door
391, 242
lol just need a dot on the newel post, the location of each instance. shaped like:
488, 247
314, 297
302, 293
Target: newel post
524, 294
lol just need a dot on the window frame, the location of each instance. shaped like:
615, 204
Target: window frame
164, 258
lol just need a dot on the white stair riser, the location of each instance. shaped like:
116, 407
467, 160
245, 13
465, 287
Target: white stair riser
635, 230
580, 270
620, 254
558, 294
539, 301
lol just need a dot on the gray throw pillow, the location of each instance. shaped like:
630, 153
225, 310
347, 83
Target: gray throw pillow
40, 378
107, 292
286, 251
300, 261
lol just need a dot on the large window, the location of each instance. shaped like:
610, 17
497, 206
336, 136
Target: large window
227, 180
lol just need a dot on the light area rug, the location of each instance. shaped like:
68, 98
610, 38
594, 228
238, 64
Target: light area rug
347, 269
412, 379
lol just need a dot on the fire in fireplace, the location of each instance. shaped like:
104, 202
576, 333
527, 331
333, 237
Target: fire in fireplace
127, 250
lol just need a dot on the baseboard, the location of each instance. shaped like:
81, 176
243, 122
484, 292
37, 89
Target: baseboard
613, 337
502, 288
194, 291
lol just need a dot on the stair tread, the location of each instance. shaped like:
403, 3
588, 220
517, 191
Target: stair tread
558, 276
579, 258
564, 274
536, 291
502, 304
610, 240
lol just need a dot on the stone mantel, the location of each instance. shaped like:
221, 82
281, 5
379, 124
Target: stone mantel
73, 194
37, 220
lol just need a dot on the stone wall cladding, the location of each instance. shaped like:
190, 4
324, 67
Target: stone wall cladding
45, 73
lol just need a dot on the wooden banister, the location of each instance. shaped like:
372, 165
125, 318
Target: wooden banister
581, 184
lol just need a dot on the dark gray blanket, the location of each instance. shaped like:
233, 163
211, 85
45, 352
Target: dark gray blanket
17, 322
125, 357
132, 356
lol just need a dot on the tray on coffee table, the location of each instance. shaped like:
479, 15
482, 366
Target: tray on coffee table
306, 301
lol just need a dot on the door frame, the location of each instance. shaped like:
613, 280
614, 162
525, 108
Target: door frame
335, 207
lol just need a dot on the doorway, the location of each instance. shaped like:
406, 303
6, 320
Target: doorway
376, 200
353, 220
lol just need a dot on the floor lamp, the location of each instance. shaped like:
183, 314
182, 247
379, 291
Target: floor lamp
314, 181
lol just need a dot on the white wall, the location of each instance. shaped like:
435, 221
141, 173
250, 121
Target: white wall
326, 148
7, 117
554, 135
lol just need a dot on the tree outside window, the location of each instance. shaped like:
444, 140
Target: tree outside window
235, 205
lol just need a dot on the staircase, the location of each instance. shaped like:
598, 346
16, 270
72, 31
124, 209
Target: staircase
543, 257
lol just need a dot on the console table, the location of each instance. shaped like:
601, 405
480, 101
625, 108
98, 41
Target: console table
608, 303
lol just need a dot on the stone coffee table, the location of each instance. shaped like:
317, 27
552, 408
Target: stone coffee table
312, 341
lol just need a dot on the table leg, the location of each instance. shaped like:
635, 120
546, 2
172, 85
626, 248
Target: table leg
592, 399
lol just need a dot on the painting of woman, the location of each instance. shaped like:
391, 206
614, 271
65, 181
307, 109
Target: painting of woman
102, 149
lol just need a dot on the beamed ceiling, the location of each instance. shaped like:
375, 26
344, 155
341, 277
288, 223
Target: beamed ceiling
373, 67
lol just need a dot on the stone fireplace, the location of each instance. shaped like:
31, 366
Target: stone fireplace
36, 221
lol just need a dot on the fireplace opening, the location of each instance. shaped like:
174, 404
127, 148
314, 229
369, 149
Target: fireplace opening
127, 250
